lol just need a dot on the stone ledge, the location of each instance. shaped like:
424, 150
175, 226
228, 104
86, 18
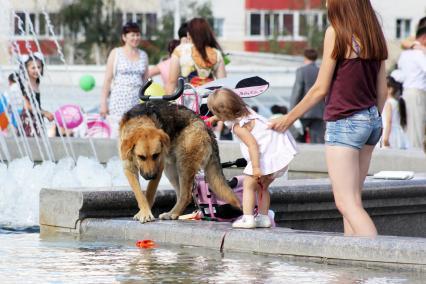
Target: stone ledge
397, 207
385, 250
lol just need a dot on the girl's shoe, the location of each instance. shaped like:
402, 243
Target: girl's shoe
246, 222
262, 221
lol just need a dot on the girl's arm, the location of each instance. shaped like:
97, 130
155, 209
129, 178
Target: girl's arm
247, 138
381, 87
107, 83
318, 91
388, 124
173, 74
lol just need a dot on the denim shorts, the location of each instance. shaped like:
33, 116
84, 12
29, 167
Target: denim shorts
362, 128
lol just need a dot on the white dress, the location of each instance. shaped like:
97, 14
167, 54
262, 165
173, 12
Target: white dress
276, 149
398, 138
127, 82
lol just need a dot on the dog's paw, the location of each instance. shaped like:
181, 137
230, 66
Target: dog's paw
144, 217
168, 216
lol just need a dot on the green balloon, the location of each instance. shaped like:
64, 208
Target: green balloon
87, 82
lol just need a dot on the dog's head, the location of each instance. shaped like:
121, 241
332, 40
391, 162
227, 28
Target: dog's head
146, 148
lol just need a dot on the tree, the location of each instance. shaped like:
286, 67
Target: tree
93, 27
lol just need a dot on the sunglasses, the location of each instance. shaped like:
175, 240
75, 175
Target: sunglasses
27, 57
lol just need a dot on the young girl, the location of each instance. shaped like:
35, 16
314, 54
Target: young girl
31, 88
394, 117
267, 152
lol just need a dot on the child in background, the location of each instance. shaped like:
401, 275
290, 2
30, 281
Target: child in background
394, 117
267, 152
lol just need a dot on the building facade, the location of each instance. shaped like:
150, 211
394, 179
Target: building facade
35, 24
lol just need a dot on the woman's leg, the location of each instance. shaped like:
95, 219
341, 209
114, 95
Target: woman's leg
344, 170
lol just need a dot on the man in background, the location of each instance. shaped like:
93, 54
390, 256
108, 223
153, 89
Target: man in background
412, 64
312, 121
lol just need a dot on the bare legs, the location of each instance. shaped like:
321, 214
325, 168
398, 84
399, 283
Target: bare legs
347, 169
251, 187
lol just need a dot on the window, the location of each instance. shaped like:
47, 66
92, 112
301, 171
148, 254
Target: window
276, 25
129, 17
151, 24
218, 26
255, 24
32, 24
303, 25
139, 21
267, 25
55, 22
19, 23
42, 24
288, 24
403, 28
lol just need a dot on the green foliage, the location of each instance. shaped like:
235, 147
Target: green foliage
98, 22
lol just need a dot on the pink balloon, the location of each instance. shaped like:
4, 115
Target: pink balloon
71, 114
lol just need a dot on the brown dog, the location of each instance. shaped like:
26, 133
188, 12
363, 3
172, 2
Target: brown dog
158, 136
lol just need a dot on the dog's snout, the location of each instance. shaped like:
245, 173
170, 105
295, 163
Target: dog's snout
150, 176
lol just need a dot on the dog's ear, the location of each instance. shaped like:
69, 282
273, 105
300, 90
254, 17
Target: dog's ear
165, 140
126, 147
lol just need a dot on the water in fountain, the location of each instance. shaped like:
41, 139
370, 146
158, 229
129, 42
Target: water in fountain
22, 179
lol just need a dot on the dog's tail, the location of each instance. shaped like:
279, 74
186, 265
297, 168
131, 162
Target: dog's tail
216, 179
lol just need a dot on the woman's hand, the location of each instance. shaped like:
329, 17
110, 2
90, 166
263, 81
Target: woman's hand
280, 124
103, 110
48, 115
386, 143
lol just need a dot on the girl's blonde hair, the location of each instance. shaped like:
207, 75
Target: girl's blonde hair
226, 104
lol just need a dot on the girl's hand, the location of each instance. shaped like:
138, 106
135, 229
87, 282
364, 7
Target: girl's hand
257, 173
212, 120
279, 124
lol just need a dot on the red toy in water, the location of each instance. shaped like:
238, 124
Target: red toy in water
145, 243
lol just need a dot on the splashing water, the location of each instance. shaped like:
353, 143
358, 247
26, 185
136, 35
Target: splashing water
22, 182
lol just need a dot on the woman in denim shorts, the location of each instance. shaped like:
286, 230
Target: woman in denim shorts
352, 79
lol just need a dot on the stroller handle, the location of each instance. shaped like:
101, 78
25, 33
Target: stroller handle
176, 94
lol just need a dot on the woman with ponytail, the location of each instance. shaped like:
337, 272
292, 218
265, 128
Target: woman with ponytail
394, 117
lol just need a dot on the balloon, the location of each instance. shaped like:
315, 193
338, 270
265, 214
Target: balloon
226, 59
71, 114
3, 121
87, 82
155, 90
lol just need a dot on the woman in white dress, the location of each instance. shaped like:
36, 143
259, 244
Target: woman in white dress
394, 118
126, 71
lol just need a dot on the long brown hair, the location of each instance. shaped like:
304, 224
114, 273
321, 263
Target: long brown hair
202, 36
356, 18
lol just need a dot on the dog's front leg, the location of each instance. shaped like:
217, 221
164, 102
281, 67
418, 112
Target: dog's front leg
144, 214
152, 187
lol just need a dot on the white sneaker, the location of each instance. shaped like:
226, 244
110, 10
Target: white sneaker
246, 222
262, 221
